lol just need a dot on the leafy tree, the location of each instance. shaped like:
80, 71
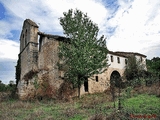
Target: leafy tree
10, 87
2, 87
11, 83
83, 53
153, 65
134, 70
131, 70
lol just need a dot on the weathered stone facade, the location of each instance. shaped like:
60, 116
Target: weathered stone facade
39, 70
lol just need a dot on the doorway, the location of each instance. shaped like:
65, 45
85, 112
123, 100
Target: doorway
86, 85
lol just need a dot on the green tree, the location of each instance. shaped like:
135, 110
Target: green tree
131, 70
134, 70
2, 87
153, 65
83, 53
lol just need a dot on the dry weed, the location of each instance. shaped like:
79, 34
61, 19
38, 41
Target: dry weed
70, 112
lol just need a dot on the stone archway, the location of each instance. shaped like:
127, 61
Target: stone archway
115, 78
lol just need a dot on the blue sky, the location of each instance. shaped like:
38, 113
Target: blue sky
128, 25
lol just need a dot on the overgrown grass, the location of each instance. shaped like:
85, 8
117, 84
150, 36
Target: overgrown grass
143, 104
95, 106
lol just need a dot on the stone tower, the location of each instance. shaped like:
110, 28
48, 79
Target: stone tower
28, 47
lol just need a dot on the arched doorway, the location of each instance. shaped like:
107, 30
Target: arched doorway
115, 79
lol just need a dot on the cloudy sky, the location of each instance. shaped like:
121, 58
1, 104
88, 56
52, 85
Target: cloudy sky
128, 25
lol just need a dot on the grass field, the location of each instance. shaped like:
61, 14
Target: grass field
88, 107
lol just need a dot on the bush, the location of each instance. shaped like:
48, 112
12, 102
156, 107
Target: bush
3, 87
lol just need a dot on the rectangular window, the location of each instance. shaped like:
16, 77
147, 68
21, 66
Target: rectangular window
126, 61
118, 59
111, 58
141, 59
96, 78
86, 85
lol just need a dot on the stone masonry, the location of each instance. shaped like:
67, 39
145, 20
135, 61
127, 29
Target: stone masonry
39, 70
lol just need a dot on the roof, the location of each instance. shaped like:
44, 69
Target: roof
114, 53
31, 22
61, 38
127, 54
57, 37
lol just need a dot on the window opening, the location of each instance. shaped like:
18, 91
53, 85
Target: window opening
111, 58
96, 78
118, 59
126, 61
86, 85
141, 59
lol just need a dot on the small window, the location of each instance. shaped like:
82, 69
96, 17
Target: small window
126, 61
86, 86
118, 59
141, 59
96, 78
111, 58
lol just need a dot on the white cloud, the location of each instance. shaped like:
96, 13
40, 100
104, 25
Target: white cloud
47, 12
9, 49
137, 27
136, 21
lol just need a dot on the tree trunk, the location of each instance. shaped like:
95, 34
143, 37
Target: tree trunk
119, 99
79, 86
79, 93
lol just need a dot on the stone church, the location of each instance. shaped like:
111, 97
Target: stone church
38, 65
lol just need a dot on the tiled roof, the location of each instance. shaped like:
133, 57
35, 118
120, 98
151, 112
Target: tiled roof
125, 54
113, 53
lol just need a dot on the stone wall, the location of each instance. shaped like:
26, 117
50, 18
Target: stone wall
47, 63
28, 48
39, 70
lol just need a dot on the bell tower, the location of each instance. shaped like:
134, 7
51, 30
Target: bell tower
28, 47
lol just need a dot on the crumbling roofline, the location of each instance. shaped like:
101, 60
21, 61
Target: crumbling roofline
56, 37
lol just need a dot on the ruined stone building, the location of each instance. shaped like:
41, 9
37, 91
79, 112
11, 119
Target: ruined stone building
38, 61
